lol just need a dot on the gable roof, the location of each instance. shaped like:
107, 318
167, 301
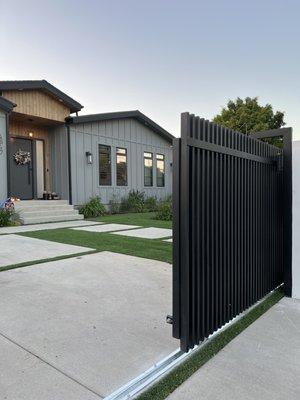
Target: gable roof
44, 86
142, 118
6, 105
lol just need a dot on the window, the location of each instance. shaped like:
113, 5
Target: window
160, 170
121, 167
148, 169
104, 165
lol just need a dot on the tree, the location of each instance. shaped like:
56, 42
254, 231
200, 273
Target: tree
248, 116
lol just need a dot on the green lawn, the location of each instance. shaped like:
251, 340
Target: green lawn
153, 249
141, 219
146, 248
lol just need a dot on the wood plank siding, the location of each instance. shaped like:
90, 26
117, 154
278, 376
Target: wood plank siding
38, 104
22, 129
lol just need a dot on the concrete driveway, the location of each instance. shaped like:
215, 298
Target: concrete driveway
15, 249
82, 327
262, 363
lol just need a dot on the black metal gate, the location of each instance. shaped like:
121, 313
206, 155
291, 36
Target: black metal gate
228, 226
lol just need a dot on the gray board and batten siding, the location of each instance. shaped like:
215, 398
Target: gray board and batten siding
59, 161
6, 107
3, 159
128, 133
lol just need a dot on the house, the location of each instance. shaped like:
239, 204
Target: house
46, 146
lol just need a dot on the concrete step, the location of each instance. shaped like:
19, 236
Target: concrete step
47, 213
57, 218
40, 203
36, 204
44, 207
43, 211
55, 209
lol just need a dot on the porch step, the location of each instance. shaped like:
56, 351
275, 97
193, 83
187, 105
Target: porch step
40, 203
49, 213
43, 211
41, 208
58, 218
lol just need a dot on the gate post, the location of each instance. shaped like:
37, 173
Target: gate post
286, 134
288, 210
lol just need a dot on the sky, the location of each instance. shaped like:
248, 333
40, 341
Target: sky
161, 57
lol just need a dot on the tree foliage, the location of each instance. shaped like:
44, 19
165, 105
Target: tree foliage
248, 116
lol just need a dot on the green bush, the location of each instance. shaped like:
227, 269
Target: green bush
150, 204
134, 202
164, 210
114, 205
93, 208
6, 217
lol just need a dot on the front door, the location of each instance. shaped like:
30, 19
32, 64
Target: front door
21, 168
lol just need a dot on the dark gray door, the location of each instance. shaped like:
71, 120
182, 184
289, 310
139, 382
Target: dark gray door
21, 168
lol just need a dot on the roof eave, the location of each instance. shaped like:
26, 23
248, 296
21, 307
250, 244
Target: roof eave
6, 105
142, 118
72, 104
44, 85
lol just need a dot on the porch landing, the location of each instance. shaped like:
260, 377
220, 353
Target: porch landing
43, 211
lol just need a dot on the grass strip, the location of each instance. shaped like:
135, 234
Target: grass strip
175, 378
154, 249
45, 260
144, 220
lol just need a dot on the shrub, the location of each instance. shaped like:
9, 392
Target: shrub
114, 205
134, 202
6, 217
93, 208
164, 210
150, 204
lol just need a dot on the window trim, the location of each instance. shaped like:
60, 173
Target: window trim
152, 167
164, 161
111, 175
116, 163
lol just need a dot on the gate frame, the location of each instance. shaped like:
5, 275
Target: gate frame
184, 306
176, 237
287, 135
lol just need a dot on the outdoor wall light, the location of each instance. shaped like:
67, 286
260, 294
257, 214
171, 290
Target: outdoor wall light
30, 134
89, 157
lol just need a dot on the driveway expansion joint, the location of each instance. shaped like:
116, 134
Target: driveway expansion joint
50, 364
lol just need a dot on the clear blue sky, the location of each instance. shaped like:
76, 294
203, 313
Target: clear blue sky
162, 57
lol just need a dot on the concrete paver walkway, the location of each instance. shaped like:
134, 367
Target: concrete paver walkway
262, 363
95, 322
15, 249
147, 233
40, 227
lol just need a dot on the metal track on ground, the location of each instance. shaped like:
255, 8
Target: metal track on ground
134, 387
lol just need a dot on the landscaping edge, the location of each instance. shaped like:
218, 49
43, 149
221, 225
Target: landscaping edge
45, 260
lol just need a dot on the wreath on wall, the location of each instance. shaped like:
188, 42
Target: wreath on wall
1, 145
22, 157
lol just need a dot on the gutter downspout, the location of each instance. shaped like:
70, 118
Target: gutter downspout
69, 160
7, 155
